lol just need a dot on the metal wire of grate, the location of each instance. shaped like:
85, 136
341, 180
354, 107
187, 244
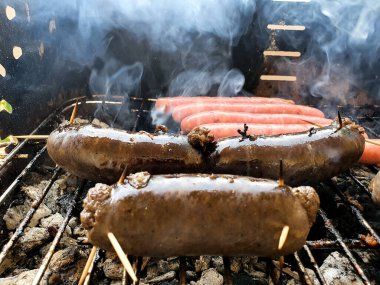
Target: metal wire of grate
304, 258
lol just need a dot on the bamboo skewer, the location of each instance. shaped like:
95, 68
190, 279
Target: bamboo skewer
74, 113
122, 256
32, 137
282, 53
45, 137
283, 237
372, 142
281, 182
86, 269
286, 27
116, 245
278, 77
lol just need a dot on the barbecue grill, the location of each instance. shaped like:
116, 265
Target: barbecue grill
347, 214
347, 224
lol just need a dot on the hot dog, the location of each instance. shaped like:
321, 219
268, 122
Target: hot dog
212, 117
308, 157
102, 154
181, 112
371, 154
167, 104
190, 215
225, 130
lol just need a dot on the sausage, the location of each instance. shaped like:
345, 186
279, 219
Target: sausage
101, 154
200, 214
190, 122
308, 157
374, 188
371, 154
167, 104
181, 112
220, 131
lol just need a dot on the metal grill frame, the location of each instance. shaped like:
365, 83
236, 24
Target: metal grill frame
344, 246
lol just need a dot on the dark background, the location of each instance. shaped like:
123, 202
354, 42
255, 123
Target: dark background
39, 82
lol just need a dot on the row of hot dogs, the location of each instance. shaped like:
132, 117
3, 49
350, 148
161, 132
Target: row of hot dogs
263, 116
166, 214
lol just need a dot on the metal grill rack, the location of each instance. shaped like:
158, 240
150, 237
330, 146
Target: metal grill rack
326, 234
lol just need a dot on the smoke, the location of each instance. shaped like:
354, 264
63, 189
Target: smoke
340, 45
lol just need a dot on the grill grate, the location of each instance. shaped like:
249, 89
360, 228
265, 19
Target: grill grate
308, 257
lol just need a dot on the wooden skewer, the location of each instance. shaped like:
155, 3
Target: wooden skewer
286, 27
44, 137
282, 53
340, 120
122, 256
283, 237
281, 182
116, 245
32, 137
372, 142
282, 261
123, 175
74, 113
86, 269
22, 155
278, 77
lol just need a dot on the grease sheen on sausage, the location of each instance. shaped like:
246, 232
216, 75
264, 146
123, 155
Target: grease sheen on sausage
101, 154
190, 215
308, 157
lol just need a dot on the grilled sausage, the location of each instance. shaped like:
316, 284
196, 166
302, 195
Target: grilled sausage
213, 117
308, 157
167, 104
189, 215
181, 112
102, 154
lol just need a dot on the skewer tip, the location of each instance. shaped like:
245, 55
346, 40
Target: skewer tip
281, 182
340, 120
123, 175
87, 267
74, 113
283, 237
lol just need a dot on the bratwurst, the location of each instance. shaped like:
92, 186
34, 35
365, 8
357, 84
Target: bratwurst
199, 214
101, 154
308, 157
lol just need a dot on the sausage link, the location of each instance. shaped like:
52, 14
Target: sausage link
308, 157
190, 215
102, 154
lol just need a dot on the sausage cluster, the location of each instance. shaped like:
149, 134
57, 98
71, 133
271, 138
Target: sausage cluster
166, 214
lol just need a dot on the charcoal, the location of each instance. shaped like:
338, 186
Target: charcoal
32, 238
336, 269
21, 279
210, 276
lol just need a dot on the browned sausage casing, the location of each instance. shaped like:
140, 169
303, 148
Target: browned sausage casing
308, 157
101, 154
189, 215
